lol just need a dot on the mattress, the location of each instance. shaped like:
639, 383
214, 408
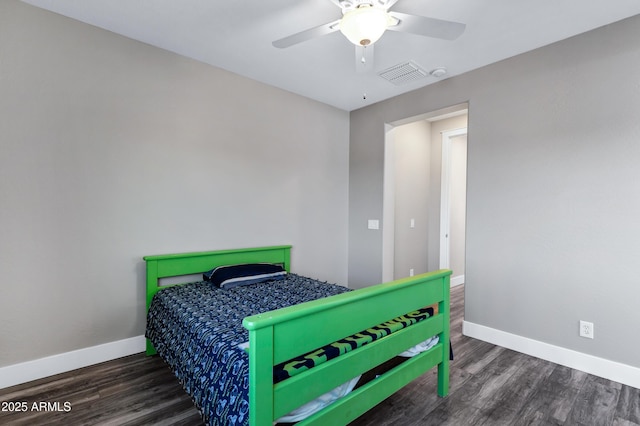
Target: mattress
197, 329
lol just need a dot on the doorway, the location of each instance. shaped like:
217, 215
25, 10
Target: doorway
412, 203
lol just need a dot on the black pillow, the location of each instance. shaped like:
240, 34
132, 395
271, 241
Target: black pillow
230, 276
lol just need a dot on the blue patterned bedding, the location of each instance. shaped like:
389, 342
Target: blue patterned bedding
197, 328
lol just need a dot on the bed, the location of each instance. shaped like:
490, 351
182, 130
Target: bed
229, 366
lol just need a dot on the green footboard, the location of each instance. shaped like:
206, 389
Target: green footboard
281, 335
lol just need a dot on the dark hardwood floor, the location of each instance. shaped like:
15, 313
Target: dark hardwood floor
489, 386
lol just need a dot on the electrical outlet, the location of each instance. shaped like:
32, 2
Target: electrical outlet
586, 329
411, 272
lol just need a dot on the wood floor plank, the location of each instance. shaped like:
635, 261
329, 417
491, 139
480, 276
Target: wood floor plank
505, 405
596, 403
130, 390
451, 413
474, 355
628, 408
622, 422
553, 399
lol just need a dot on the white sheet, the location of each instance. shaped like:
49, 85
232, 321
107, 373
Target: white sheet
421, 347
319, 403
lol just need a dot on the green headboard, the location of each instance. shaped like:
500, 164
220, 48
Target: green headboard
172, 265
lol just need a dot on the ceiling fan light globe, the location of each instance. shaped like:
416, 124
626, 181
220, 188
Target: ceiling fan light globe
363, 26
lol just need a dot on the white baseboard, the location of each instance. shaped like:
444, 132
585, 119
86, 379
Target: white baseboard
600, 367
44, 367
457, 280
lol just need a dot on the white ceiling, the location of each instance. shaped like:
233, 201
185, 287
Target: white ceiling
236, 35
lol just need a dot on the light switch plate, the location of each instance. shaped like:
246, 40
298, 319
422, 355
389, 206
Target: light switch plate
373, 224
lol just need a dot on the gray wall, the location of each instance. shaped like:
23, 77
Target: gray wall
111, 150
553, 212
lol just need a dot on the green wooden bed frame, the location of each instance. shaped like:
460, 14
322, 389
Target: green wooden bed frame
280, 335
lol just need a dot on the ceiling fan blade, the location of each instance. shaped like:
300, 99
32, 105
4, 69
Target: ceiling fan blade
428, 27
307, 35
364, 58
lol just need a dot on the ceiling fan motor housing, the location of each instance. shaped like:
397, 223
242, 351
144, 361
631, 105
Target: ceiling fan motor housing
365, 24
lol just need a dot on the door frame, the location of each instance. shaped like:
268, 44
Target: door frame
388, 208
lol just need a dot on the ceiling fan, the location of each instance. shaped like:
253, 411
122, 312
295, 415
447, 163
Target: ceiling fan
363, 22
